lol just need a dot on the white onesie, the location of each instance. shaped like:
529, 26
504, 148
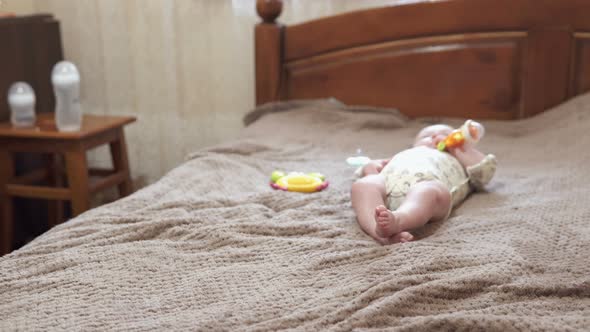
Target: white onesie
423, 164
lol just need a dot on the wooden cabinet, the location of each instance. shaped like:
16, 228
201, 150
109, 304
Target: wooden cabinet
29, 47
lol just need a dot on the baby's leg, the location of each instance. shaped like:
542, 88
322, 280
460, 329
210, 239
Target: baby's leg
426, 201
367, 194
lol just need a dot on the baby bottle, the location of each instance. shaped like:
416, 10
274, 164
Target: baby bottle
21, 99
66, 85
358, 160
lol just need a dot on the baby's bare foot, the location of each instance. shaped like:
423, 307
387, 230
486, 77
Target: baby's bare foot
402, 237
386, 222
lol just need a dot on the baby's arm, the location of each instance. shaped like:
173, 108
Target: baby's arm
467, 156
480, 168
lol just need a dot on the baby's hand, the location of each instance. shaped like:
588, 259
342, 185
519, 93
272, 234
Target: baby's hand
374, 166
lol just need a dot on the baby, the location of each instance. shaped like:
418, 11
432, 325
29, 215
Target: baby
417, 185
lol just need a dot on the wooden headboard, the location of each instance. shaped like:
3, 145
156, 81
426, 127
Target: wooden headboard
502, 59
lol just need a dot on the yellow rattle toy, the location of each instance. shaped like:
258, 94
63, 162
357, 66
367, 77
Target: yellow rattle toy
470, 133
298, 182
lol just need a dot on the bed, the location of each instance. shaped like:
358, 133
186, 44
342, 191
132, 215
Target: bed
212, 247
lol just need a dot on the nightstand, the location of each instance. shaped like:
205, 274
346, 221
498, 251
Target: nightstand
70, 178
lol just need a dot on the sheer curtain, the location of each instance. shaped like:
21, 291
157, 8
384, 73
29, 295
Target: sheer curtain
185, 68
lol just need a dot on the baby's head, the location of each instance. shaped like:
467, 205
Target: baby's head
431, 135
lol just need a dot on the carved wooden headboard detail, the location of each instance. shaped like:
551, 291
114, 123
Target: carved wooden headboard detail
502, 59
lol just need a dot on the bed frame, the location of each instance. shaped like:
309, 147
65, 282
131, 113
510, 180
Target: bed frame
501, 59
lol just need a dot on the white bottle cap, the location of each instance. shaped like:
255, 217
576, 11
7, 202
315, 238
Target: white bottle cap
65, 74
21, 94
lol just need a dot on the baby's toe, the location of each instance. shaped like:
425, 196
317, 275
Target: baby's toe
380, 208
384, 218
402, 237
405, 237
387, 215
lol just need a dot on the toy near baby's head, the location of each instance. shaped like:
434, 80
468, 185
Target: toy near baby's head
470, 133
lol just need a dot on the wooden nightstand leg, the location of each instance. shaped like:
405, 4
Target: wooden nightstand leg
56, 210
77, 172
6, 219
121, 163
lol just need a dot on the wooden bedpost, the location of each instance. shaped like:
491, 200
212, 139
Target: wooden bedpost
268, 45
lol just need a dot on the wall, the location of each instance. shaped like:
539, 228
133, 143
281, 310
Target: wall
183, 67
17, 6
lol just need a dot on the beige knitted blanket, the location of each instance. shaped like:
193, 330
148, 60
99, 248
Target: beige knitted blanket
212, 247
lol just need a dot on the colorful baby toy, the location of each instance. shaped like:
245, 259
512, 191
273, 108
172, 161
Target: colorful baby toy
298, 182
470, 133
